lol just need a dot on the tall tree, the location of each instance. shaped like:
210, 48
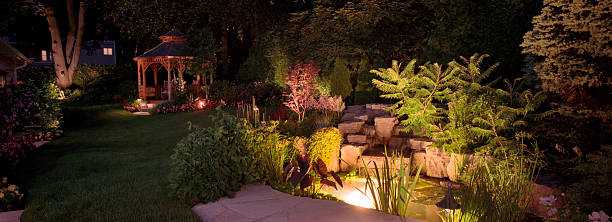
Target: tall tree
66, 54
572, 45
464, 27
573, 40
350, 29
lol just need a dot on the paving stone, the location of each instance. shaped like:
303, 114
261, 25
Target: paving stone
289, 208
11, 216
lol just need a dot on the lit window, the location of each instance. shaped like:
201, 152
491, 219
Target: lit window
108, 51
43, 55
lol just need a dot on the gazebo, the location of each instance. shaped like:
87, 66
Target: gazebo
172, 53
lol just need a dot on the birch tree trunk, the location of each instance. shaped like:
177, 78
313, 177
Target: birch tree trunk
66, 59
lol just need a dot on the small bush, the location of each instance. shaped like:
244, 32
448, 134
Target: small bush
17, 111
13, 151
497, 191
10, 198
324, 144
212, 162
226, 91
593, 190
271, 152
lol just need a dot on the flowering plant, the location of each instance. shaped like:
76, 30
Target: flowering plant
17, 110
600, 216
10, 198
133, 106
13, 151
197, 105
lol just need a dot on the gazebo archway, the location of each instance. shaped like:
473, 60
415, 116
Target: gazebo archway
172, 54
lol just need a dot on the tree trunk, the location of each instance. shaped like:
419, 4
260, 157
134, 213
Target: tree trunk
66, 59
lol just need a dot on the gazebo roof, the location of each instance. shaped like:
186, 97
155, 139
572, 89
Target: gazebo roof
173, 45
174, 32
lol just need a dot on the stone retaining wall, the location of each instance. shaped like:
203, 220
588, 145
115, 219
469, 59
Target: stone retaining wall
367, 126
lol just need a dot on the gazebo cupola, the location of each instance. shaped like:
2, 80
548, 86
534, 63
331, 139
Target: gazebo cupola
172, 53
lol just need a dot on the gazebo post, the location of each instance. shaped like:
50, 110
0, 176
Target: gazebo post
169, 84
155, 77
140, 95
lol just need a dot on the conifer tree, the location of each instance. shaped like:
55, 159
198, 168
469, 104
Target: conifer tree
365, 91
341, 79
573, 41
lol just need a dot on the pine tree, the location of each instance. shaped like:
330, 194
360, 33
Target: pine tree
341, 79
365, 91
573, 39
572, 45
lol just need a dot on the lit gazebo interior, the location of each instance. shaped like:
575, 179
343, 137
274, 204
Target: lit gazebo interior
173, 53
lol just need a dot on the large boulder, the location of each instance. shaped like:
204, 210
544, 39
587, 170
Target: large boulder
456, 164
350, 127
546, 201
350, 154
437, 162
357, 138
384, 127
418, 158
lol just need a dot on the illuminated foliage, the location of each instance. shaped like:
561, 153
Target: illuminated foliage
301, 82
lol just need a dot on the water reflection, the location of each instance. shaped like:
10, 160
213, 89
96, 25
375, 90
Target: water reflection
422, 208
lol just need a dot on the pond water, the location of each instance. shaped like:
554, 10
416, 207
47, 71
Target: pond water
422, 206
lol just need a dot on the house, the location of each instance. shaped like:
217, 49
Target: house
93, 52
10, 61
98, 53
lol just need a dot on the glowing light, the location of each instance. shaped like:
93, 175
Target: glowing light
201, 104
358, 199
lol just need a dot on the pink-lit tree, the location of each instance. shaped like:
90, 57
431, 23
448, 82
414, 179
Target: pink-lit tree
301, 95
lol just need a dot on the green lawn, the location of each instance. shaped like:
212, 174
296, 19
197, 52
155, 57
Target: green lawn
109, 166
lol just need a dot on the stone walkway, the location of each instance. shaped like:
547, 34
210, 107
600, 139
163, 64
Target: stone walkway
10, 216
259, 203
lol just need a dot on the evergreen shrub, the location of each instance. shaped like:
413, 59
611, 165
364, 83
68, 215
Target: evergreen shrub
341, 79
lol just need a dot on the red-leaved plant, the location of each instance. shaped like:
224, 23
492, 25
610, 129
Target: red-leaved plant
301, 82
298, 173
